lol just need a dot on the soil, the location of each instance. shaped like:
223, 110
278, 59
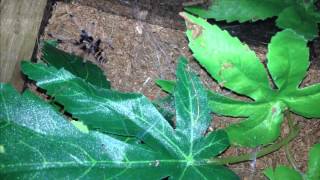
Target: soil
146, 38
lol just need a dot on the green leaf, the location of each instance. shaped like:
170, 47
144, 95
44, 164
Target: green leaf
262, 118
300, 16
282, 172
288, 60
237, 68
166, 107
261, 127
313, 172
180, 153
227, 60
52, 42
166, 85
239, 10
300, 20
223, 105
93, 106
192, 111
304, 100
74, 64
43, 145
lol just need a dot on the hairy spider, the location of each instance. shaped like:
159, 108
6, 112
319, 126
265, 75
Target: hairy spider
87, 43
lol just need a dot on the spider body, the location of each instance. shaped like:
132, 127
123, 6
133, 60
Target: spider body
87, 45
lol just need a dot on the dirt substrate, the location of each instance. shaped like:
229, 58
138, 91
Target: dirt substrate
144, 49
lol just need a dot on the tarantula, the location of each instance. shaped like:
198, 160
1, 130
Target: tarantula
86, 43
91, 46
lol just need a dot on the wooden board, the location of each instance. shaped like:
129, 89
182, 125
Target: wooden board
160, 12
20, 21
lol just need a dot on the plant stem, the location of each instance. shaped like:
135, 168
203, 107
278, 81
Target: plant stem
250, 156
290, 159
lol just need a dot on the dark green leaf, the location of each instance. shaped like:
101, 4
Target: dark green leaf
239, 10
192, 111
300, 20
93, 106
180, 153
166, 107
37, 143
300, 16
74, 64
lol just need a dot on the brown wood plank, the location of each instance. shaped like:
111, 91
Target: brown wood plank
159, 12
20, 21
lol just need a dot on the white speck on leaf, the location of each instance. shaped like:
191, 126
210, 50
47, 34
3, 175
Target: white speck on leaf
157, 163
2, 150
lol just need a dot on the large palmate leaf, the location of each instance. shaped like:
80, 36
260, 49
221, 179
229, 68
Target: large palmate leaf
301, 16
313, 172
37, 143
180, 153
237, 68
85, 102
74, 64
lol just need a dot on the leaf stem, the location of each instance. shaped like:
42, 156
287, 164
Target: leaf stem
290, 159
294, 130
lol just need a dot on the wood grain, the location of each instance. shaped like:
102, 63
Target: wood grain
20, 21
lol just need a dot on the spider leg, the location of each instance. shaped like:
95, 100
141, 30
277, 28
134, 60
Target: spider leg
101, 57
73, 18
91, 28
106, 40
61, 38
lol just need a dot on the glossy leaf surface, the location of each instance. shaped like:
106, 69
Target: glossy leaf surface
301, 16
74, 64
180, 153
237, 68
39, 143
84, 101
